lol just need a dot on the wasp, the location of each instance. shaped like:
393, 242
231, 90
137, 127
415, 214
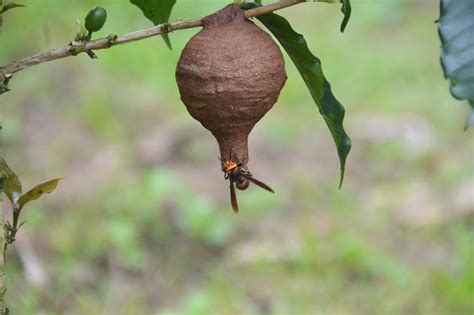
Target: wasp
237, 173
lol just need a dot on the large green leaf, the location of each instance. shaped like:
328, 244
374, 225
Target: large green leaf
12, 185
38, 191
157, 11
310, 69
456, 30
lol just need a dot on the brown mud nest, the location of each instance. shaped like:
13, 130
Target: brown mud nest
229, 75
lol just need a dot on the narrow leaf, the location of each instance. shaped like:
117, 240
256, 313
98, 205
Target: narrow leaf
10, 6
38, 191
12, 184
345, 9
456, 29
157, 11
310, 69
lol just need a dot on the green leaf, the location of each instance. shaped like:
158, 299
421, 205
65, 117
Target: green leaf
456, 29
10, 6
12, 184
470, 115
4, 8
310, 69
345, 9
38, 191
157, 11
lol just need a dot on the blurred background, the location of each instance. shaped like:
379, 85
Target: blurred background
142, 223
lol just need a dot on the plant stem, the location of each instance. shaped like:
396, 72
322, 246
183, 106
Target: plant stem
3, 287
75, 48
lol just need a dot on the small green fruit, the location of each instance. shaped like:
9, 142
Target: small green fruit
95, 19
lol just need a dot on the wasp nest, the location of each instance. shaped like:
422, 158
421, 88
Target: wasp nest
229, 75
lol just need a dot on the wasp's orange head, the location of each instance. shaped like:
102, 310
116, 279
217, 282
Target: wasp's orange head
229, 166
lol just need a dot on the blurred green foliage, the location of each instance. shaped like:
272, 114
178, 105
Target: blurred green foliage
142, 223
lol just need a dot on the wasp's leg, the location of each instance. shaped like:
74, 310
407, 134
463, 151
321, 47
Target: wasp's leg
233, 198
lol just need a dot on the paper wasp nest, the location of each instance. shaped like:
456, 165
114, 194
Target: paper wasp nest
229, 75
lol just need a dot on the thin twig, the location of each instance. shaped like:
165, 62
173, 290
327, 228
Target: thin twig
75, 48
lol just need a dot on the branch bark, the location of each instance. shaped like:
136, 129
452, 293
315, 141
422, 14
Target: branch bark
75, 48
3, 287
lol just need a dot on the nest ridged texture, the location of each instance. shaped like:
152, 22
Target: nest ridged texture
229, 75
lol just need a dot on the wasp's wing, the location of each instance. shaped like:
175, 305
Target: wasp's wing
233, 198
259, 183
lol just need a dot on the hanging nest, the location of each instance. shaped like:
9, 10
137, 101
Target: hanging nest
229, 75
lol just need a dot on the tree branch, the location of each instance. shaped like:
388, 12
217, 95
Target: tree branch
3, 287
75, 48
